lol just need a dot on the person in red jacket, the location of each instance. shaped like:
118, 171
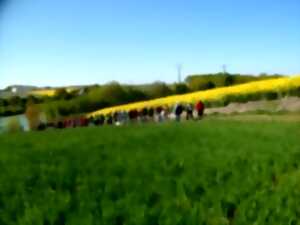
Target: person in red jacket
199, 107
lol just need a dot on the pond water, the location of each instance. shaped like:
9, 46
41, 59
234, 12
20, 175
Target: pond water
21, 118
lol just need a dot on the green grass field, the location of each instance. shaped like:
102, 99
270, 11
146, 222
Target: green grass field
208, 172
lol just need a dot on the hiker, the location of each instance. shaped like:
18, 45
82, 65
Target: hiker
133, 115
83, 122
144, 114
109, 119
96, 122
119, 118
101, 119
116, 117
199, 107
178, 111
91, 120
65, 123
74, 122
60, 125
41, 126
140, 116
189, 112
124, 117
164, 114
130, 115
159, 109
151, 113
70, 123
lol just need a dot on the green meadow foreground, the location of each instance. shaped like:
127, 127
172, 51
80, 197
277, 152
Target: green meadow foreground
208, 172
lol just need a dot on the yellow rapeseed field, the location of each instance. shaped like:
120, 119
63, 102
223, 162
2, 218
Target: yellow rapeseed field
43, 92
48, 92
277, 84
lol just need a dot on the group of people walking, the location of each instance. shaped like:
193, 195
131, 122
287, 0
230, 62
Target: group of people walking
152, 114
148, 114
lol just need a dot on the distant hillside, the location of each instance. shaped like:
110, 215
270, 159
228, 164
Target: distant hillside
16, 90
24, 91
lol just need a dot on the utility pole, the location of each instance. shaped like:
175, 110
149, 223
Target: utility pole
224, 67
179, 71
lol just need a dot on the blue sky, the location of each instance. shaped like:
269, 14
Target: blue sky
67, 42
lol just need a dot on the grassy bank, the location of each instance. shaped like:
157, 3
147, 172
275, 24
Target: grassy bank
208, 172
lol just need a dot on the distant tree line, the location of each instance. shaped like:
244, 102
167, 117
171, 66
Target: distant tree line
15, 105
209, 81
95, 97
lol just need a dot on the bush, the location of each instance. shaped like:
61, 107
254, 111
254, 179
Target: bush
50, 111
133, 95
294, 92
243, 98
33, 100
11, 110
14, 100
3, 102
271, 95
14, 125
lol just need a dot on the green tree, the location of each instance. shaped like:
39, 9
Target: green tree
229, 80
181, 88
134, 94
3, 102
33, 100
62, 93
159, 89
51, 111
113, 93
207, 85
15, 101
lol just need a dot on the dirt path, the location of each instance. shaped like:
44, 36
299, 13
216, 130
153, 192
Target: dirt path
288, 104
